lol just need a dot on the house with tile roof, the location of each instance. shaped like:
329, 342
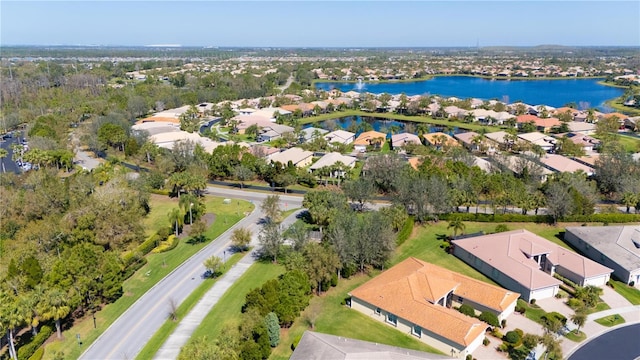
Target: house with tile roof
340, 136
369, 138
402, 139
298, 157
617, 247
541, 124
318, 346
561, 163
417, 298
524, 262
440, 139
333, 158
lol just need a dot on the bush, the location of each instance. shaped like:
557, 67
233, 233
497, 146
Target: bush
406, 231
29, 349
167, 245
574, 303
469, 357
530, 341
296, 341
495, 332
38, 354
520, 332
532, 302
504, 347
555, 316
503, 323
632, 284
486, 341
490, 318
467, 310
133, 267
513, 338
520, 309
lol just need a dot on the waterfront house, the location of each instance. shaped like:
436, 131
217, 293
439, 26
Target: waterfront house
400, 140
417, 298
524, 262
440, 140
340, 137
369, 138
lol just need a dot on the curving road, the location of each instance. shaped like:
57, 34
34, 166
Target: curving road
129, 333
619, 344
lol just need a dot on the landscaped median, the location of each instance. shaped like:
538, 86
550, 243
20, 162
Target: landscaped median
157, 267
611, 320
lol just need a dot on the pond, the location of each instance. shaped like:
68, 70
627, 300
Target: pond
585, 93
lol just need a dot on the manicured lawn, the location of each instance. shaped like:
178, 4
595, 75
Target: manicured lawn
158, 266
580, 336
610, 320
532, 311
601, 306
337, 319
158, 339
630, 293
629, 143
228, 309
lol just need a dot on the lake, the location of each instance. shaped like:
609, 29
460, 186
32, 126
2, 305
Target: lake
554, 93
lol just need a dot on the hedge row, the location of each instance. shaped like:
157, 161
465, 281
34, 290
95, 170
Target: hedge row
169, 244
143, 249
603, 218
27, 350
406, 231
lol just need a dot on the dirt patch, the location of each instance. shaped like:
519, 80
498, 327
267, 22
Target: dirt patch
208, 218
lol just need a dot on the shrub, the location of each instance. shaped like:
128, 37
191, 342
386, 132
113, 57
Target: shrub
520, 332
405, 232
273, 329
167, 245
503, 323
486, 341
558, 296
532, 302
632, 284
513, 338
501, 228
530, 341
490, 318
469, 357
296, 341
520, 309
467, 310
495, 332
574, 303
504, 347
29, 349
38, 354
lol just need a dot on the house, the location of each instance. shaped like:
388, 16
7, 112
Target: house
455, 112
417, 297
332, 159
546, 142
499, 137
474, 142
402, 139
298, 157
311, 133
318, 346
273, 131
520, 165
580, 127
541, 124
617, 247
262, 151
587, 143
524, 262
561, 163
440, 139
340, 137
369, 138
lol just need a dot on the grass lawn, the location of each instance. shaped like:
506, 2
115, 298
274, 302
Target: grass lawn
601, 306
580, 336
334, 318
158, 339
228, 309
158, 266
629, 143
532, 311
610, 320
630, 293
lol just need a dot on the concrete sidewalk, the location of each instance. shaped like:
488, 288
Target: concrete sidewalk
171, 348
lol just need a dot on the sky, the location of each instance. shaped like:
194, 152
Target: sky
321, 23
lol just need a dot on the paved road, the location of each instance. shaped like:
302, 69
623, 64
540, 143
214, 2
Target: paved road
129, 333
618, 344
171, 348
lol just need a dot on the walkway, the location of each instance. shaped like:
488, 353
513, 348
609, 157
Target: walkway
171, 348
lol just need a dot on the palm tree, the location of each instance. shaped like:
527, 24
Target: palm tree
56, 307
457, 225
629, 199
3, 154
579, 318
176, 218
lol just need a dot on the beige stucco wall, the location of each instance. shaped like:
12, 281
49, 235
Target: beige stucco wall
305, 162
434, 340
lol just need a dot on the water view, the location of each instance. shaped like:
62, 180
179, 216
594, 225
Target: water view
356, 124
556, 93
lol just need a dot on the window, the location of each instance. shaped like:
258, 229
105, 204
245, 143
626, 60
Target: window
392, 319
377, 311
417, 331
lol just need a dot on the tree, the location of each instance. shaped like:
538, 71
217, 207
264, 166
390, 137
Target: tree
273, 328
558, 200
3, 154
298, 234
552, 346
271, 209
361, 191
383, 170
214, 265
55, 306
285, 180
176, 219
457, 225
321, 263
324, 205
189, 120
243, 174
241, 238
198, 231
629, 199
579, 318
271, 239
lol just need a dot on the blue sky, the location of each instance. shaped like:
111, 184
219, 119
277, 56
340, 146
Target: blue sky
320, 23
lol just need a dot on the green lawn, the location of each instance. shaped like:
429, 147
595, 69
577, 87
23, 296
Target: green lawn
227, 311
601, 306
610, 320
532, 311
630, 293
158, 339
580, 336
158, 266
337, 319
629, 143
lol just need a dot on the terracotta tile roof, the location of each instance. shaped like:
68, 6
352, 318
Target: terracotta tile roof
409, 289
432, 138
540, 122
366, 137
414, 162
172, 120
